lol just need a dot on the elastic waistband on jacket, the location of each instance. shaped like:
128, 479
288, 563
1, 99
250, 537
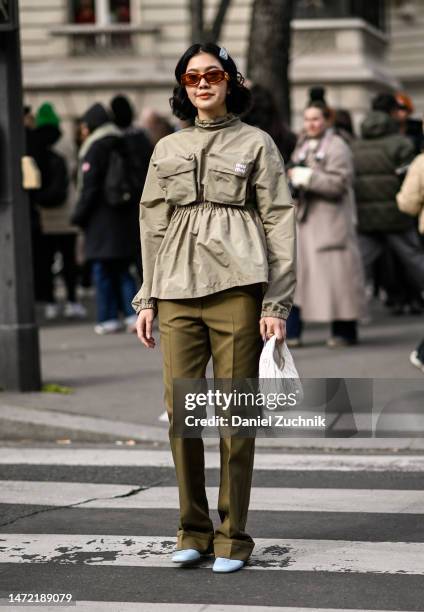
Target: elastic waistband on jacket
216, 205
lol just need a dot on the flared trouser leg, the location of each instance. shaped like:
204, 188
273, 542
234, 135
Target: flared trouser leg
186, 352
236, 346
226, 326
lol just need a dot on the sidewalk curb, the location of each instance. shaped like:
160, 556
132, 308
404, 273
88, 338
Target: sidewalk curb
18, 424
46, 425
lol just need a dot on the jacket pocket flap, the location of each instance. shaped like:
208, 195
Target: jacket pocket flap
230, 164
170, 166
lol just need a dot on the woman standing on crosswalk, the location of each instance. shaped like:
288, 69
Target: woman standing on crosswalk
218, 248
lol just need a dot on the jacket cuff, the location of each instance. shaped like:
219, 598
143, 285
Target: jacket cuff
275, 310
139, 303
148, 303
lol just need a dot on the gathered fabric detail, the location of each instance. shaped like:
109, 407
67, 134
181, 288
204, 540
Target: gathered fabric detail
197, 249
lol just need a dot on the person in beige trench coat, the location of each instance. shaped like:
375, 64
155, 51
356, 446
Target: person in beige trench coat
410, 200
330, 285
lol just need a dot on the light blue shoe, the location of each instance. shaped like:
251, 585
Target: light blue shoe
187, 555
224, 565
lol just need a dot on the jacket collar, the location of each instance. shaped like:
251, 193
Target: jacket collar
107, 129
217, 123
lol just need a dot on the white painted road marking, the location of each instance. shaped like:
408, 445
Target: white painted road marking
262, 498
268, 554
163, 458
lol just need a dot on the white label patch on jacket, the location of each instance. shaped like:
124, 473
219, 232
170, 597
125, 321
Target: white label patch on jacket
240, 168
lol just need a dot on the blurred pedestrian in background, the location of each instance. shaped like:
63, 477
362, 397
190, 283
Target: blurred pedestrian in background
31, 185
156, 125
410, 200
343, 125
330, 284
264, 114
138, 151
55, 200
410, 127
381, 158
111, 236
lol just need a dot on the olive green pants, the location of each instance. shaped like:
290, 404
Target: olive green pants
224, 325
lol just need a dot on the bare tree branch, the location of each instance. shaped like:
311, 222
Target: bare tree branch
219, 19
200, 32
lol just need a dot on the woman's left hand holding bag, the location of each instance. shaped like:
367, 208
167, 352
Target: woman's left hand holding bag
272, 326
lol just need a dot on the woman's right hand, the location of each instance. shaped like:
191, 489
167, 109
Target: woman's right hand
144, 327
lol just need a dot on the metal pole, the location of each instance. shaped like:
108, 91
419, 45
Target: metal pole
19, 349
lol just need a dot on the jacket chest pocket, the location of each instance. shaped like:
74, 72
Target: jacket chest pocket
177, 177
227, 178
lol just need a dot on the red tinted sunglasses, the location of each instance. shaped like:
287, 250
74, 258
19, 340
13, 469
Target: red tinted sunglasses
192, 79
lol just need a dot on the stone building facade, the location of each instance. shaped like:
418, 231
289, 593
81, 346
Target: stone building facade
76, 52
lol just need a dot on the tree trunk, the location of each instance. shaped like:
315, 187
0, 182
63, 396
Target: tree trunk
197, 20
269, 49
202, 32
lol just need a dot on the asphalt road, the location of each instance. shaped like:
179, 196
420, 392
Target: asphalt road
345, 533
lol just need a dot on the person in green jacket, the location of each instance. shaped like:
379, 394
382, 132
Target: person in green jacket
218, 245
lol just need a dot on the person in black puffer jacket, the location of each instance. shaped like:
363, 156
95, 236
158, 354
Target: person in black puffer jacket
381, 158
111, 235
139, 150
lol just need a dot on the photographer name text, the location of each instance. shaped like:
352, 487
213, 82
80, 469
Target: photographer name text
272, 420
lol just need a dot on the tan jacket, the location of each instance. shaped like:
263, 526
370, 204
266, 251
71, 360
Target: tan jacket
410, 199
216, 213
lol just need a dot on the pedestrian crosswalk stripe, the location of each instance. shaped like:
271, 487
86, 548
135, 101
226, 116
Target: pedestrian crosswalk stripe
262, 498
268, 554
163, 458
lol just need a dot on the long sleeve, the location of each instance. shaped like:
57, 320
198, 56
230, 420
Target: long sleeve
155, 215
333, 181
276, 209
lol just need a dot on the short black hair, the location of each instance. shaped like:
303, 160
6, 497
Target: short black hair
385, 102
239, 98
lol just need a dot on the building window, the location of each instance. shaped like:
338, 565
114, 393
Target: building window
371, 12
100, 12
83, 11
119, 11
100, 22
